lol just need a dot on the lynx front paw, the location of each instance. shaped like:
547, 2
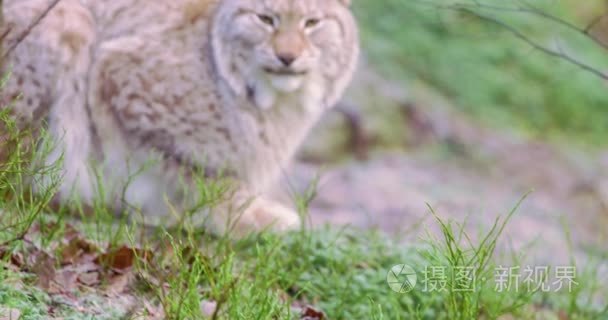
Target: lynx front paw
259, 215
266, 214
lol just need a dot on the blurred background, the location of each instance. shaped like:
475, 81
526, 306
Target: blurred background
467, 106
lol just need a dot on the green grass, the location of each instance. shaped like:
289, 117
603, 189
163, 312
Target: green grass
342, 273
487, 72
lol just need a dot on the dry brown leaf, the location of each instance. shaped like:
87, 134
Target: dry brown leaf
78, 250
122, 259
16, 258
310, 313
65, 281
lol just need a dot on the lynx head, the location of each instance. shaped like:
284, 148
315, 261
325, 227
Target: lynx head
269, 48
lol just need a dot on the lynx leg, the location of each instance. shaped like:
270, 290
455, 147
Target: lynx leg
55, 57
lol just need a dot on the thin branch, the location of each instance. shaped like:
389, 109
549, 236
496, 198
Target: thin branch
528, 9
470, 9
558, 54
29, 29
584, 31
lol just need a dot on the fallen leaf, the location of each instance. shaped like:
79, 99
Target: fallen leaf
9, 314
65, 281
310, 313
77, 250
17, 259
123, 258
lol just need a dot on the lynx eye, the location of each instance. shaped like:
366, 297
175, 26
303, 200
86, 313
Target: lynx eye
266, 19
311, 22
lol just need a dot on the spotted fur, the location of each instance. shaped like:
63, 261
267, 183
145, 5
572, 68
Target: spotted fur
230, 86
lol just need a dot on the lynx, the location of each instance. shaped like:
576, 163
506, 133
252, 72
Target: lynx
142, 94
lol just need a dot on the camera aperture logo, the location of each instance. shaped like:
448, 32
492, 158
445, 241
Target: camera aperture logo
401, 278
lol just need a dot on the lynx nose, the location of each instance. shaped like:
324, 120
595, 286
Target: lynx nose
286, 58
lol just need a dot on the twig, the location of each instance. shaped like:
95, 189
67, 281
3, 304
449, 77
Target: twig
537, 46
5, 33
467, 8
29, 29
529, 9
470, 9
